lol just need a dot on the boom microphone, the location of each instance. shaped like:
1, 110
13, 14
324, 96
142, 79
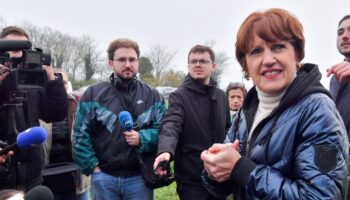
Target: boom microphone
30, 137
14, 45
39, 193
125, 120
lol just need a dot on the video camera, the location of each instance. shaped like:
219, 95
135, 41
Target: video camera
26, 72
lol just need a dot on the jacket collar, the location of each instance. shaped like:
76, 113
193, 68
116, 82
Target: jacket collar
197, 86
121, 83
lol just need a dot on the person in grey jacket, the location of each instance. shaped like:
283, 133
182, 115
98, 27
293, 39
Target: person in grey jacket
340, 81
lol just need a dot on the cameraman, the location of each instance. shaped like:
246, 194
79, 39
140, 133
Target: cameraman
23, 168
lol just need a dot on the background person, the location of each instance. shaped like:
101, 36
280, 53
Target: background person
235, 93
290, 139
61, 174
340, 81
197, 117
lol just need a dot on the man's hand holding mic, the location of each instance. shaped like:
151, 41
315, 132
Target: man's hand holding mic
220, 159
132, 138
125, 122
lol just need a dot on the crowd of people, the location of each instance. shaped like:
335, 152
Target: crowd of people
286, 138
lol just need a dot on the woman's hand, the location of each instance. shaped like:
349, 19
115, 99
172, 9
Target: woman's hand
220, 159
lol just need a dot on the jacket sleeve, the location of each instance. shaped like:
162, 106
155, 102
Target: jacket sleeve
228, 117
171, 125
82, 147
54, 101
320, 167
149, 136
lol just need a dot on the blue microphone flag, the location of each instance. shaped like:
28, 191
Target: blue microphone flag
125, 120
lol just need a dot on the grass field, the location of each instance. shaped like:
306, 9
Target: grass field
166, 193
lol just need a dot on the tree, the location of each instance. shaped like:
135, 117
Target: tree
221, 61
102, 69
146, 66
90, 56
56, 43
172, 78
76, 60
160, 58
145, 70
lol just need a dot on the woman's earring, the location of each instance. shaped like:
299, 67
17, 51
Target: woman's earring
298, 65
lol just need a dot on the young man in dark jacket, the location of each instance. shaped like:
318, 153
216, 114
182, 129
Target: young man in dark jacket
23, 169
100, 146
340, 82
197, 117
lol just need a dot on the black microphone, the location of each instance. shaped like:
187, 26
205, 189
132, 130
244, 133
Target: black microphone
14, 45
30, 137
39, 193
125, 120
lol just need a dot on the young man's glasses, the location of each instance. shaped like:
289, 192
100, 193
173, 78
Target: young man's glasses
200, 61
123, 60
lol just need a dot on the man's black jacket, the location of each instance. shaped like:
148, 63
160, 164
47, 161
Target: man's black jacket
198, 116
23, 169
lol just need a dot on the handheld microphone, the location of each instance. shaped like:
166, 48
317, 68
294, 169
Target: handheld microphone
39, 193
14, 45
30, 137
125, 120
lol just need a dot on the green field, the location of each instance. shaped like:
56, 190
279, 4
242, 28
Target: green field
166, 193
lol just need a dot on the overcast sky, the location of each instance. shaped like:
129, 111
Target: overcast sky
181, 24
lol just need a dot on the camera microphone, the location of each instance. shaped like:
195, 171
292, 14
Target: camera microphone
26, 139
125, 120
14, 45
39, 193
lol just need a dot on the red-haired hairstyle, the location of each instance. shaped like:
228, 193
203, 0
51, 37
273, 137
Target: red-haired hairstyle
272, 25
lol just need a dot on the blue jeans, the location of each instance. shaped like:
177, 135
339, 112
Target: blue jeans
85, 195
106, 187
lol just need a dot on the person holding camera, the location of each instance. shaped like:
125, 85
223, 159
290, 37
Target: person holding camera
23, 168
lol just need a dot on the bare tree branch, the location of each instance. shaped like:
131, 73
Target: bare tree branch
160, 58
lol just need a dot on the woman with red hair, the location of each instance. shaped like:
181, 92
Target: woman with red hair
288, 140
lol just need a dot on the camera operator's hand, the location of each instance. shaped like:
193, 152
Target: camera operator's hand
4, 71
4, 157
49, 71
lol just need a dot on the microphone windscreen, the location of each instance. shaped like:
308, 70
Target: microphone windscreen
125, 120
14, 45
32, 136
39, 193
